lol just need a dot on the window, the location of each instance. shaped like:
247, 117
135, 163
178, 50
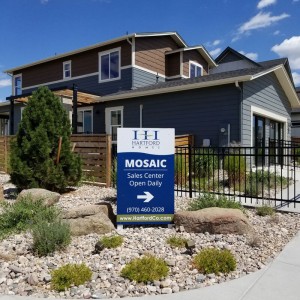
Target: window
114, 120
196, 70
67, 69
17, 85
109, 65
85, 121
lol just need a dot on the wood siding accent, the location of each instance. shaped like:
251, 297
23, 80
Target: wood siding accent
150, 52
173, 64
83, 63
195, 56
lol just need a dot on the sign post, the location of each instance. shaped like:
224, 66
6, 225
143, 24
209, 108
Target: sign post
145, 178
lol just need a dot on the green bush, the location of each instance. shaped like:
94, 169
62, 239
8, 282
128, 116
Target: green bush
34, 152
112, 241
211, 200
24, 214
205, 162
176, 241
214, 261
265, 210
49, 237
148, 268
70, 274
235, 166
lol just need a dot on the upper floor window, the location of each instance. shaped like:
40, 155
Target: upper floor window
67, 69
109, 65
17, 85
196, 70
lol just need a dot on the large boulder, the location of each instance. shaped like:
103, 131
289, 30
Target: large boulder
49, 198
90, 219
214, 220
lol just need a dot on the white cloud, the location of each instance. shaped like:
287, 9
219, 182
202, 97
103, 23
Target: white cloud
213, 43
264, 3
276, 32
5, 83
296, 0
215, 52
251, 55
44, 1
261, 20
289, 48
296, 77
216, 42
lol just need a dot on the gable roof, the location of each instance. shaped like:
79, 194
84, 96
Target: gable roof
230, 77
176, 37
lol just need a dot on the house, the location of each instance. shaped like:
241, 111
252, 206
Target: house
157, 80
296, 119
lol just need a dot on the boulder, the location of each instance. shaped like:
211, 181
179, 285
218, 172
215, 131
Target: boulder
214, 220
90, 219
49, 198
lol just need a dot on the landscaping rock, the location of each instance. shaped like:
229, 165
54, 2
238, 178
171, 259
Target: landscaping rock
214, 220
49, 198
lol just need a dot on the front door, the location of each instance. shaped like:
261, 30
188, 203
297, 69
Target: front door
259, 140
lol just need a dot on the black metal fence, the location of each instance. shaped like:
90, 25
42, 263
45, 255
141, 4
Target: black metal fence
248, 174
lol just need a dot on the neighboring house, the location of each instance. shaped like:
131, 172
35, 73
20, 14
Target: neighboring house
296, 119
156, 80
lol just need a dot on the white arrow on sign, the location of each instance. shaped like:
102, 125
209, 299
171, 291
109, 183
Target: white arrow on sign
147, 197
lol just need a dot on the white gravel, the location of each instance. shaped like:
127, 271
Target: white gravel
22, 273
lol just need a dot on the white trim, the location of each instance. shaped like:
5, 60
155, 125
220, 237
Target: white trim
192, 62
177, 76
150, 71
13, 83
100, 54
87, 108
133, 51
270, 115
64, 71
108, 111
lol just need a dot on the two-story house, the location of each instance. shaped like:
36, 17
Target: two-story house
157, 80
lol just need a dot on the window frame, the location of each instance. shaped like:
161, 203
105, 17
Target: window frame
108, 125
69, 62
197, 65
100, 54
83, 109
14, 84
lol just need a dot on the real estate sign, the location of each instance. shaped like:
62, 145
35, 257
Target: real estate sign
145, 175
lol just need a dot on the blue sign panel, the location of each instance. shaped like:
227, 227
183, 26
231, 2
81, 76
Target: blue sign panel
145, 177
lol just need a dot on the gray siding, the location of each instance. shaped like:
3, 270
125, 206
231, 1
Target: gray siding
265, 93
201, 112
231, 66
143, 78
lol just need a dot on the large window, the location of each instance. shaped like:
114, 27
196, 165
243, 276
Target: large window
196, 70
109, 65
85, 121
17, 85
67, 69
114, 120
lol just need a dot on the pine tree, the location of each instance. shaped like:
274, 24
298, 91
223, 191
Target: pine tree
34, 152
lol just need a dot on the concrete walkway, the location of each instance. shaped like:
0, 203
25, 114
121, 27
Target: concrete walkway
280, 280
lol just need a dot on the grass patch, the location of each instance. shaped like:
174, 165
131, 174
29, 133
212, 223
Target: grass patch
114, 241
265, 210
176, 241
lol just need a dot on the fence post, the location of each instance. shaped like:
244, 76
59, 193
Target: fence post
190, 172
108, 161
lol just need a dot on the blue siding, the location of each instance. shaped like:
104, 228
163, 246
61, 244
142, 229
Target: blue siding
265, 93
143, 78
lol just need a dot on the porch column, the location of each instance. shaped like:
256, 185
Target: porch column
12, 116
74, 116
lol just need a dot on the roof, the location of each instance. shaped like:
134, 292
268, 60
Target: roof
229, 77
177, 38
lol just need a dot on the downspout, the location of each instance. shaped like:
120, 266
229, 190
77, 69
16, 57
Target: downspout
74, 119
237, 85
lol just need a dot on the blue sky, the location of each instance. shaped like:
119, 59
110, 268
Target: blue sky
36, 29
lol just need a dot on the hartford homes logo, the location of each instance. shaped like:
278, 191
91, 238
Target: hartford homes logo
145, 139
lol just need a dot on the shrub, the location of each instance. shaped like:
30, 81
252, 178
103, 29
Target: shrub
205, 162
211, 200
114, 172
176, 241
24, 214
235, 166
49, 237
214, 261
34, 152
70, 274
265, 210
148, 268
112, 241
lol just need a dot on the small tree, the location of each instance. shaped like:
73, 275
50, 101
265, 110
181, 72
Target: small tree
35, 150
